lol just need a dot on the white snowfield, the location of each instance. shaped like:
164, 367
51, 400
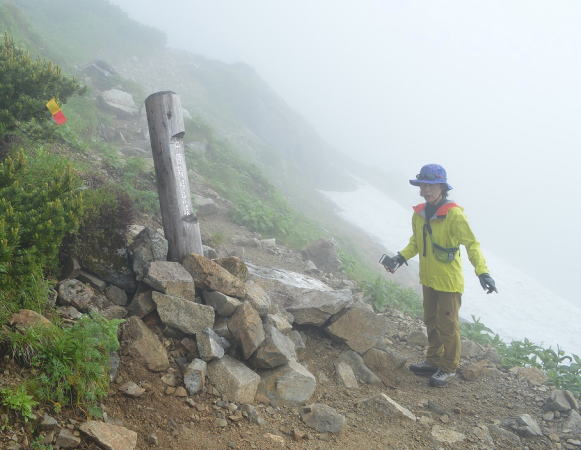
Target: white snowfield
523, 307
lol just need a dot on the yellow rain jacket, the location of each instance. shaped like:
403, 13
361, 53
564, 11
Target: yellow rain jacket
441, 265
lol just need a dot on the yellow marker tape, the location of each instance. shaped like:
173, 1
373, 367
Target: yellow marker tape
53, 106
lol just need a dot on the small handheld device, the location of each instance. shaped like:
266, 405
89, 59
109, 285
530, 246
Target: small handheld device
391, 264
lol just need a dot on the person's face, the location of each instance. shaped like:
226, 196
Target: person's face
432, 193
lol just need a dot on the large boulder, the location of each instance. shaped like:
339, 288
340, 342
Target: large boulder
183, 315
109, 436
362, 372
315, 307
385, 363
81, 296
235, 266
26, 318
149, 245
233, 380
246, 327
118, 102
210, 275
359, 327
280, 322
142, 302
170, 278
277, 350
323, 253
210, 345
143, 344
223, 304
258, 298
291, 384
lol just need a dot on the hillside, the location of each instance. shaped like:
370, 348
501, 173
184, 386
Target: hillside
280, 335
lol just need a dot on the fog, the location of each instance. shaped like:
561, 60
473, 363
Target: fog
489, 89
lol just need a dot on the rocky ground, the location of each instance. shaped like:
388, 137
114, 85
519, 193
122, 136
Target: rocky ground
336, 378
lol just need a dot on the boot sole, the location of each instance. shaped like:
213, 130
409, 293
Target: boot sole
423, 372
440, 384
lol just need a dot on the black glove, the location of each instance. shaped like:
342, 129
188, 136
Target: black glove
487, 283
392, 263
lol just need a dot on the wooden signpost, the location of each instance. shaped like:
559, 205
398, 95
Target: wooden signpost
166, 131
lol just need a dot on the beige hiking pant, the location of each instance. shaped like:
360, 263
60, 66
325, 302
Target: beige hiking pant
443, 326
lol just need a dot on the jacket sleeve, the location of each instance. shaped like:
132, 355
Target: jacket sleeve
466, 237
411, 249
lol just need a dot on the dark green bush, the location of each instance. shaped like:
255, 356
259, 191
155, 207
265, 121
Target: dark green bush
41, 202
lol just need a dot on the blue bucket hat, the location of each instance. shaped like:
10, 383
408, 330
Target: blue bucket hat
431, 174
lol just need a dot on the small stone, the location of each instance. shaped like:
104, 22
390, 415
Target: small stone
221, 423
48, 423
195, 376
418, 337
297, 435
387, 406
252, 414
573, 423
524, 425
446, 435
170, 379
560, 401
170, 390
131, 389
548, 416
275, 438
346, 375
181, 392
152, 439
322, 418
111, 437
67, 439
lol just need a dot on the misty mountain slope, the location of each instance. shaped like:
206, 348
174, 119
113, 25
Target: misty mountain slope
231, 98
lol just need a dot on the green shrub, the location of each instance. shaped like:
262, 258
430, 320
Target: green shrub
103, 229
19, 401
383, 293
26, 84
563, 370
71, 364
41, 203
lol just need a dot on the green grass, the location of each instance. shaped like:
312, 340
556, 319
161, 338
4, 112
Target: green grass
71, 365
563, 370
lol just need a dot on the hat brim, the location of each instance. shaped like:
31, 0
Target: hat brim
417, 182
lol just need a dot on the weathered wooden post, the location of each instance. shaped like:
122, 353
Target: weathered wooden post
166, 131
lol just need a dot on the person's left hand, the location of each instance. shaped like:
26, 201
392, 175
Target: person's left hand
487, 283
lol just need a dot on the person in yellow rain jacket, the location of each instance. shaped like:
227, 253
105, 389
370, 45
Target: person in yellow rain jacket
439, 228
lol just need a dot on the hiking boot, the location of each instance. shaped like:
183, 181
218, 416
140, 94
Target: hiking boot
441, 378
423, 368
